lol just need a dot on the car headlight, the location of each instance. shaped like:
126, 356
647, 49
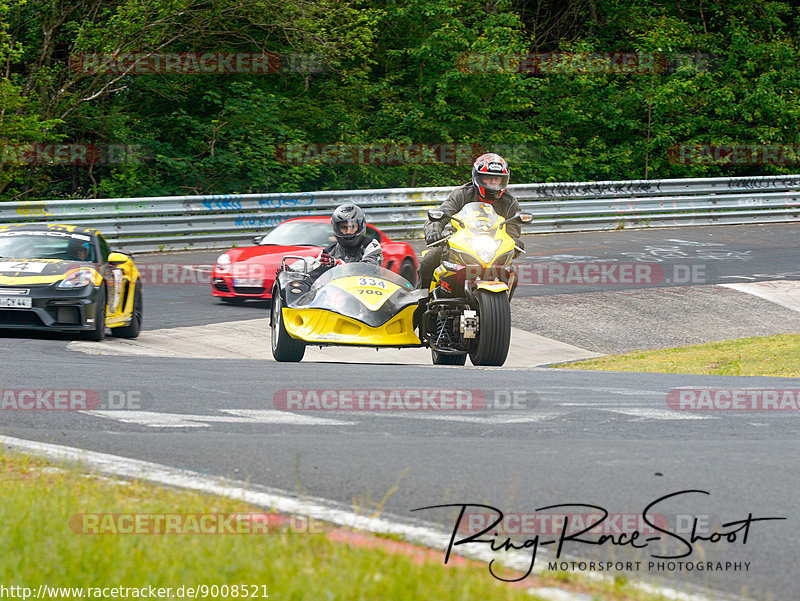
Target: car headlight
485, 247
80, 278
223, 262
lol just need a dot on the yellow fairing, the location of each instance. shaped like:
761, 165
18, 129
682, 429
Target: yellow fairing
462, 241
371, 292
492, 286
319, 325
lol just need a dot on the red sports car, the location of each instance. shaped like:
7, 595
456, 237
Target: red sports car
249, 272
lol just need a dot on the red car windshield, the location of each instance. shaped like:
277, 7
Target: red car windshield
300, 233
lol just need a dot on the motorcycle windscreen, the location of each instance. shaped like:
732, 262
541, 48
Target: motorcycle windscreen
368, 293
479, 217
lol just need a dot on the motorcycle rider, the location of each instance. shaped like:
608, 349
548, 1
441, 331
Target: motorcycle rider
490, 176
352, 246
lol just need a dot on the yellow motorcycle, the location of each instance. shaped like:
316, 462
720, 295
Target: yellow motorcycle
468, 309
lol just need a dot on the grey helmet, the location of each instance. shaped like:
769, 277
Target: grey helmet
348, 214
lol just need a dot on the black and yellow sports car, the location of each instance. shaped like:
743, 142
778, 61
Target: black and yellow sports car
66, 278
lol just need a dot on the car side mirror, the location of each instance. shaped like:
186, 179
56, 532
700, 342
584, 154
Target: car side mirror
258, 238
118, 258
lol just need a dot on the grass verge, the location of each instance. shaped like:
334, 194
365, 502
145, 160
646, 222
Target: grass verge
765, 356
44, 544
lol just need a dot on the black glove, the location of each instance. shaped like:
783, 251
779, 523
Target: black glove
520, 244
432, 237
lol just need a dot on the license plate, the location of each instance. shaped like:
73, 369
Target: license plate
248, 282
11, 301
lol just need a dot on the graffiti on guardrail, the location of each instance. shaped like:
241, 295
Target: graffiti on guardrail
245, 220
232, 202
34, 209
597, 188
761, 183
222, 204
287, 200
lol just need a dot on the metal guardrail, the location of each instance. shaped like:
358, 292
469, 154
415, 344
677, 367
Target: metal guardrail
218, 221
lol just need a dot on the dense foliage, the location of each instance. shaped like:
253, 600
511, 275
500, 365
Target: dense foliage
360, 73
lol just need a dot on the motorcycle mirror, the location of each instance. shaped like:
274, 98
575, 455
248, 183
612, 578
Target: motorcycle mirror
523, 217
435, 214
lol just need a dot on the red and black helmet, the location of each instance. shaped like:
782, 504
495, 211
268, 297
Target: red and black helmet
485, 173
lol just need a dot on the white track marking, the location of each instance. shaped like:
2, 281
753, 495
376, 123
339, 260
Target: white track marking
497, 419
622, 391
319, 509
659, 414
153, 419
785, 293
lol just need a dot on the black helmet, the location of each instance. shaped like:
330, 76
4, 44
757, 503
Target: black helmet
349, 214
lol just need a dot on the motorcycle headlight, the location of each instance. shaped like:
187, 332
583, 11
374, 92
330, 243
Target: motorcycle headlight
485, 247
223, 262
79, 278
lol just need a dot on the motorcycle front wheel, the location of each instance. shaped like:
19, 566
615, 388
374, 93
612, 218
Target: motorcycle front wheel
494, 333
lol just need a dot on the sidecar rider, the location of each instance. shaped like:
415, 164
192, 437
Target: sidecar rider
490, 176
352, 246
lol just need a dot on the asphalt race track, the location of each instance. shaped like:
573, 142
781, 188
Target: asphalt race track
605, 439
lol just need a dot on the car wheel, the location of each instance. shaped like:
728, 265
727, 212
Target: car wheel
135, 326
99, 331
408, 272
